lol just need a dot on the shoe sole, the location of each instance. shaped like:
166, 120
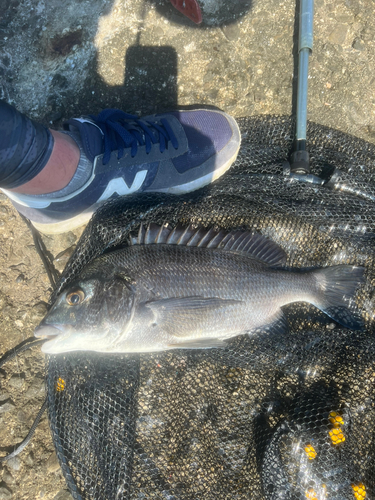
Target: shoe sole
84, 217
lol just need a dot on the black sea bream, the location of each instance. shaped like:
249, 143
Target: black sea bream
188, 288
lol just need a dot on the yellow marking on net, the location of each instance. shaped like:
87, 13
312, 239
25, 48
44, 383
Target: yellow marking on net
335, 419
359, 491
311, 495
60, 384
336, 436
310, 452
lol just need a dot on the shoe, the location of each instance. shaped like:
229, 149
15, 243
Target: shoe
189, 8
176, 153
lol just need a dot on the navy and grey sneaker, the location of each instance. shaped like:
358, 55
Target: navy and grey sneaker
175, 152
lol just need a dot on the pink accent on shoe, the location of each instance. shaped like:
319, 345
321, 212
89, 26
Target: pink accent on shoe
190, 9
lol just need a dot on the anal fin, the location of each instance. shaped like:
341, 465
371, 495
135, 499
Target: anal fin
278, 325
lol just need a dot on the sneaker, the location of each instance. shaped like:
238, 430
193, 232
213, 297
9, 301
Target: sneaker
176, 153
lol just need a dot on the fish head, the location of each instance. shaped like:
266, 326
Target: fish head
88, 315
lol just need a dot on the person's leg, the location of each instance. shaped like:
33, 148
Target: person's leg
114, 153
59, 169
34, 159
25, 147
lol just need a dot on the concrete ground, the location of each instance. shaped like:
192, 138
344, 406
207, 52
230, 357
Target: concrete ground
62, 59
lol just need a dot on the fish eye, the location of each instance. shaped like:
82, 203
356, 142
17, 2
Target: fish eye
76, 297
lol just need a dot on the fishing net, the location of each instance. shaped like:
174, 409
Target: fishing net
286, 416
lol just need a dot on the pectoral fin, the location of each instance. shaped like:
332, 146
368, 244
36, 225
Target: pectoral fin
198, 344
187, 318
188, 305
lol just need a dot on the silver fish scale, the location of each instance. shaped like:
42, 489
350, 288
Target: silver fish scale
205, 425
198, 270
196, 292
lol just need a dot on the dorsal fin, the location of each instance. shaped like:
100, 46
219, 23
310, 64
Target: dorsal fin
253, 244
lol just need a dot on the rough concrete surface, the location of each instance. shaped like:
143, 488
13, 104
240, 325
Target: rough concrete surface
62, 59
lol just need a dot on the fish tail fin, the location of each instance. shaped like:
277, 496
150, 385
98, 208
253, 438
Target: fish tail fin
336, 289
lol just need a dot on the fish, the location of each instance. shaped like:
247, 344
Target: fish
190, 288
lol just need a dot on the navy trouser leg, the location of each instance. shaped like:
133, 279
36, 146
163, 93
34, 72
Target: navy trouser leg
25, 147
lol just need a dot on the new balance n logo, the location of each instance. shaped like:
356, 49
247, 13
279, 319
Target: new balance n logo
120, 187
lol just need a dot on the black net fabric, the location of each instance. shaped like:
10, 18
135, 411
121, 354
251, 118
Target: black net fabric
286, 416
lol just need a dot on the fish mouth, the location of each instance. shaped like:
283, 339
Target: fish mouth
46, 332
56, 337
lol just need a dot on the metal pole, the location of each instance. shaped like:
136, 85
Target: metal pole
300, 157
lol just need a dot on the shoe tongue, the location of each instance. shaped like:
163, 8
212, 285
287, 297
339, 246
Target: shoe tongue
91, 135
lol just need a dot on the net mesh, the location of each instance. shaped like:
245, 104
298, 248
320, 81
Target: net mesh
269, 417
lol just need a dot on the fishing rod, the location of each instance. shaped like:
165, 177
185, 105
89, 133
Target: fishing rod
300, 161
